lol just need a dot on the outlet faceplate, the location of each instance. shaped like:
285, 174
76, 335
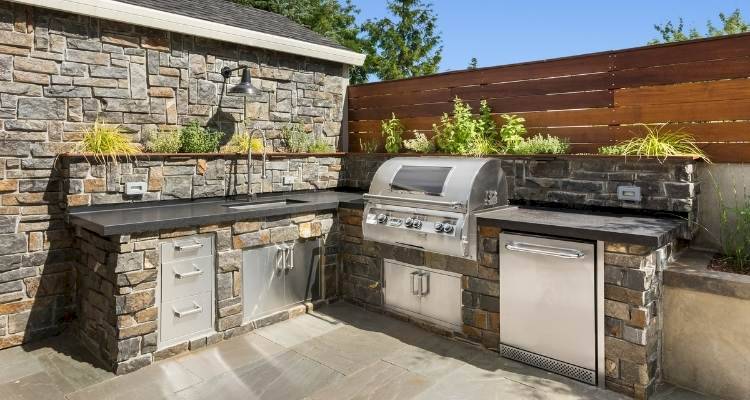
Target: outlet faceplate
629, 193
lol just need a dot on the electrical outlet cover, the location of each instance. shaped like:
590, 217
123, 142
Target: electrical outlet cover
629, 193
135, 188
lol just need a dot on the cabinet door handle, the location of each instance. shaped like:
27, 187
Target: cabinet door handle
194, 272
544, 250
416, 291
290, 259
181, 247
424, 284
196, 309
280, 258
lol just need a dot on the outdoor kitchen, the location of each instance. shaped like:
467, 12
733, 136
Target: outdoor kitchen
287, 246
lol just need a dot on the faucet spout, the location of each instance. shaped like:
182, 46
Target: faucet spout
250, 193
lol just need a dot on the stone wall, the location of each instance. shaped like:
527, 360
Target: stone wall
632, 276
577, 181
117, 297
185, 177
60, 72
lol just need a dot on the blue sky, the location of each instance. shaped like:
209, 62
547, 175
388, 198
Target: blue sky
508, 31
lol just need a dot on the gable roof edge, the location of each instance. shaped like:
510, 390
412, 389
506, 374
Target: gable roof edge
148, 17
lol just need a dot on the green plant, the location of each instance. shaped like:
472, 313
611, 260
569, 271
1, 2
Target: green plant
106, 142
319, 145
512, 132
369, 145
392, 130
464, 133
734, 229
540, 144
420, 143
296, 138
166, 139
660, 142
197, 139
241, 143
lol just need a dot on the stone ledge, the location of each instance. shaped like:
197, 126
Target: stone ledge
690, 271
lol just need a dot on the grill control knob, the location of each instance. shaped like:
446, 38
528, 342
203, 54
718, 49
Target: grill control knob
416, 224
438, 227
447, 228
382, 218
409, 222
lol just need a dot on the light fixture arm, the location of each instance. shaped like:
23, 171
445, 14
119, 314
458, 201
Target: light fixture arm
226, 72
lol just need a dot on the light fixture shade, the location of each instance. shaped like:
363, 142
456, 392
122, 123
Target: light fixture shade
245, 87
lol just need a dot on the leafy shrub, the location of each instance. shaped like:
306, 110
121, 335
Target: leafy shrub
734, 228
319, 145
106, 142
512, 132
296, 138
659, 142
454, 133
369, 145
540, 144
392, 130
166, 139
197, 139
241, 143
420, 143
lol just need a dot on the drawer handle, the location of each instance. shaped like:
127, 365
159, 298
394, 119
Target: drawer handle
196, 309
424, 284
418, 290
544, 250
182, 247
195, 272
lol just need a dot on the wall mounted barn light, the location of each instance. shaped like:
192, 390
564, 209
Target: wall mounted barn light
245, 87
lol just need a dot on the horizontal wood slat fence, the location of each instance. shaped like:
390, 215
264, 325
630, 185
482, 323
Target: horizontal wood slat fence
593, 100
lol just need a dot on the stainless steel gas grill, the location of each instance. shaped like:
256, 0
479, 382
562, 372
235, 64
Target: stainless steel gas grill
429, 202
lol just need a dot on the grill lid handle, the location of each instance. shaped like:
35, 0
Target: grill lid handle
453, 204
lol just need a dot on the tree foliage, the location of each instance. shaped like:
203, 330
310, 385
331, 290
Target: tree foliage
406, 46
473, 64
730, 24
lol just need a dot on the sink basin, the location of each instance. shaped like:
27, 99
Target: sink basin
260, 204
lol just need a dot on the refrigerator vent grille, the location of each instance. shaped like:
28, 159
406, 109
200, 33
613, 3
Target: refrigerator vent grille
558, 367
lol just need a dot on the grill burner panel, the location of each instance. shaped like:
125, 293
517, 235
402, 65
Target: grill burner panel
429, 202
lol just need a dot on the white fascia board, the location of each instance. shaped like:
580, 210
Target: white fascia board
136, 15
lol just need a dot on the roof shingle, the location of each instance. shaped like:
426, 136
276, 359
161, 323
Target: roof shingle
239, 16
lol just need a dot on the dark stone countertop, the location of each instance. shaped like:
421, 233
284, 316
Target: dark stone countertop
120, 219
578, 224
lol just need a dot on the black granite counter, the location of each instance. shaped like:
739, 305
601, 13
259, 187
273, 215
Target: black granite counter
578, 224
119, 219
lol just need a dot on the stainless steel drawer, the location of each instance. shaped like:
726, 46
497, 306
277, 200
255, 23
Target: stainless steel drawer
187, 247
186, 277
185, 318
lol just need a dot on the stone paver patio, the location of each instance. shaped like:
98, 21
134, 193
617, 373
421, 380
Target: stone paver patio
338, 352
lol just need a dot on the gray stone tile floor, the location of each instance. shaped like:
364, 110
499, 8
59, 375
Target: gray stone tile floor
338, 352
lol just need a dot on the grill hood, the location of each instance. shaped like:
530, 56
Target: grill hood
464, 182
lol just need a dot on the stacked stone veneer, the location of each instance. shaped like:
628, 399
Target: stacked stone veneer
185, 177
632, 296
669, 185
117, 295
59, 72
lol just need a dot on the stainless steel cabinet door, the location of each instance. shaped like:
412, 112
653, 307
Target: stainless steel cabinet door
302, 271
441, 297
401, 286
262, 281
547, 298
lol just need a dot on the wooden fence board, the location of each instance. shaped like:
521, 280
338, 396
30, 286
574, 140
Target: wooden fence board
680, 73
736, 89
683, 52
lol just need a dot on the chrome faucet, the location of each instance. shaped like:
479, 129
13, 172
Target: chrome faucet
250, 193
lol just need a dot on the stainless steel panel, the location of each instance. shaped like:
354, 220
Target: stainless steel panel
185, 318
401, 286
187, 247
547, 298
302, 272
263, 281
441, 297
186, 277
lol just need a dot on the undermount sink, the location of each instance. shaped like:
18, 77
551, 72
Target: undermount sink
258, 204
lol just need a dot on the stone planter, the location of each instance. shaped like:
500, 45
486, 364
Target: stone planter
706, 324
